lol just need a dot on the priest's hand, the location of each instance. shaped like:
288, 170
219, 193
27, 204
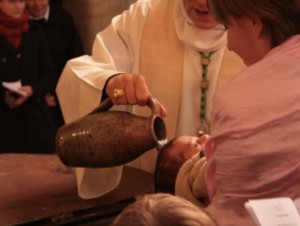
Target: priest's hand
130, 89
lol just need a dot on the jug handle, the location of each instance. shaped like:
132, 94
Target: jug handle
153, 105
104, 106
107, 104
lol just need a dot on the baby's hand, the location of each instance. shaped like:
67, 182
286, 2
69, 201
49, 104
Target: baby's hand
202, 140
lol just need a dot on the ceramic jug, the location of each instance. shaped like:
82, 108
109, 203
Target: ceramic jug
110, 138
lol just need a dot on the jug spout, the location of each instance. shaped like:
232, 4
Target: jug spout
159, 132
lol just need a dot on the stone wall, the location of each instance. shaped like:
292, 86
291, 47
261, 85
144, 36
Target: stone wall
92, 16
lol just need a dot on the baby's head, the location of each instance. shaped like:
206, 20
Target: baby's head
172, 156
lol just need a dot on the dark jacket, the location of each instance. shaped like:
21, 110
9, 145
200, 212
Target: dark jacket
63, 38
29, 128
64, 42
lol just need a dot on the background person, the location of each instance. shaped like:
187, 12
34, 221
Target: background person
162, 209
63, 39
26, 123
165, 48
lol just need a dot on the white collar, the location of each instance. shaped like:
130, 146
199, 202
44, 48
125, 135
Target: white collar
46, 16
199, 39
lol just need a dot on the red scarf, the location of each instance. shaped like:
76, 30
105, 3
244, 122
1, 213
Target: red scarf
13, 28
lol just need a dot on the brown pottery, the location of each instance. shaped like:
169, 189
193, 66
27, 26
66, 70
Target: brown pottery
110, 138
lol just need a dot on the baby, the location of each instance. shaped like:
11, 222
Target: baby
180, 166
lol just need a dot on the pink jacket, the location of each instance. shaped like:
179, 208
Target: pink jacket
254, 150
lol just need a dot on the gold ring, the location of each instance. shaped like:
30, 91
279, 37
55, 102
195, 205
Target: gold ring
118, 93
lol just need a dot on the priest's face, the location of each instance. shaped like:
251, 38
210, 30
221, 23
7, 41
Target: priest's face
37, 8
197, 10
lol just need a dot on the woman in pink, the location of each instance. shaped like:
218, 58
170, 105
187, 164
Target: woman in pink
254, 149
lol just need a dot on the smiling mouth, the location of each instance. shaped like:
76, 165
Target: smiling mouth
201, 12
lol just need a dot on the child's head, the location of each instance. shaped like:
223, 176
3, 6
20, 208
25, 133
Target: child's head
171, 158
162, 209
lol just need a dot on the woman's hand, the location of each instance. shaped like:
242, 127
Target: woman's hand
50, 100
15, 102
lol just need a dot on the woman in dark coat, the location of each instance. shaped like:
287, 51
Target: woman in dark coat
26, 123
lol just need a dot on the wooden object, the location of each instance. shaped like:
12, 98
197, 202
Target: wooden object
40, 190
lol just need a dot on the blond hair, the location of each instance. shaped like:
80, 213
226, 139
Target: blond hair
163, 209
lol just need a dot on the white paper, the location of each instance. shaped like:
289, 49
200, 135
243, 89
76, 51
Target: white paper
297, 204
14, 86
273, 212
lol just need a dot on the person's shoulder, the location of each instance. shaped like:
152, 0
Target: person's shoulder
139, 9
34, 40
35, 33
141, 5
59, 15
34, 28
148, 3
